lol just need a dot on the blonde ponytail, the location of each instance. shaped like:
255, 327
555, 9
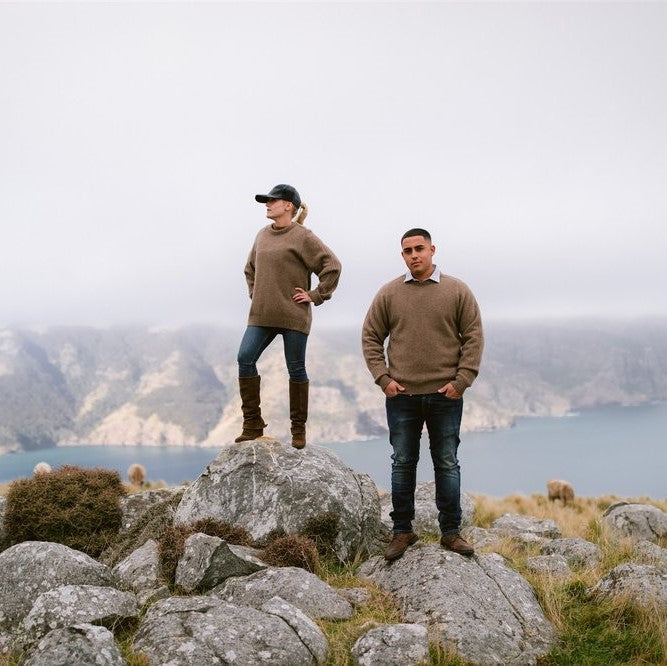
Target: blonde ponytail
301, 214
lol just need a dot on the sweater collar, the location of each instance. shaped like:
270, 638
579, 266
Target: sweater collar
435, 276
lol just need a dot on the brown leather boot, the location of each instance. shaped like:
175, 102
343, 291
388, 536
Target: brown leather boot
399, 544
253, 425
298, 412
457, 544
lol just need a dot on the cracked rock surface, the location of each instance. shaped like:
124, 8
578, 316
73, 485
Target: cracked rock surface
183, 631
266, 485
485, 610
404, 644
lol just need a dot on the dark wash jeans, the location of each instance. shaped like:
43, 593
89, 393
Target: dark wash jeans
257, 338
406, 415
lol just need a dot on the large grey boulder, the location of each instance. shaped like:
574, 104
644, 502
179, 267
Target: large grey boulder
265, 485
80, 644
637, 521
312, 595
33, 567
140, 570
135, 505
207, 561
479, 606
182, 631
651, 552
75, 604
426, 513
515, 525
644, 584
578, 552
400, 644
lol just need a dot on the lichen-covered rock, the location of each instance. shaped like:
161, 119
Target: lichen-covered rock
151, 596
207, 561
182, 631
651, 552
404, 644
307, 631
426, 512
513, 525
297, 586
481, 537
551, 565
33, 567
76, 604
135, 505
265, 485
479, 606
141, 569
637, 521
643, 583
80, 644
578, 552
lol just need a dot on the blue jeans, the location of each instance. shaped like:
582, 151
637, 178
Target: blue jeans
406, 415
257, 338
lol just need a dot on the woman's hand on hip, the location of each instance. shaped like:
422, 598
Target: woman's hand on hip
301, 296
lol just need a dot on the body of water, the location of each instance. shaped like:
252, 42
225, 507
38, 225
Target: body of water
607, 450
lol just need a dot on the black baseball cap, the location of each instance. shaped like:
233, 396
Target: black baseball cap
284, 192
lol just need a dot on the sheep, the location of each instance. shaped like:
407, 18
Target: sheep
136, 473
41, 468
562, 490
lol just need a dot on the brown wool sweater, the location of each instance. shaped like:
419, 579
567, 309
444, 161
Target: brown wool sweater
435, 335
280, 260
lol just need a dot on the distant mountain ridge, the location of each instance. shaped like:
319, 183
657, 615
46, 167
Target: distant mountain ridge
152, 387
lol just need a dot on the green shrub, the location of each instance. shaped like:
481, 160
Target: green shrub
73, 506
323, 530
292, 550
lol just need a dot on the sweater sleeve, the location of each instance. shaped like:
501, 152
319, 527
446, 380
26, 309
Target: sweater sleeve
472, 342
249, 270
373, 334
320, 260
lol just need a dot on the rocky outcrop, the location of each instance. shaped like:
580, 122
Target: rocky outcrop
426, 513
80, 644
480, 606
208, 561
33, 567
637, 521
75, 604
577, 552
644, 584
265, 485
297, 586
404, 644
183, 631
140, 570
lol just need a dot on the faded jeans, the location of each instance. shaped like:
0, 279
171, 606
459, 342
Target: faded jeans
406, 415
257, 338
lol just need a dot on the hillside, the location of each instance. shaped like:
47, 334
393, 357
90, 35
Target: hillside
178, 387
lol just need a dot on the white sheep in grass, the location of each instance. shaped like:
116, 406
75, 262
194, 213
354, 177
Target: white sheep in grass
41, 468
136, 473
562, 490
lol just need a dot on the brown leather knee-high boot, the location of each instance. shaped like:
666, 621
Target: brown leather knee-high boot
253, 425
298, 412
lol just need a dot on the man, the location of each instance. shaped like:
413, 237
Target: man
435, 346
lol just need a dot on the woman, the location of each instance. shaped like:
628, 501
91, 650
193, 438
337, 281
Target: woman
278, 272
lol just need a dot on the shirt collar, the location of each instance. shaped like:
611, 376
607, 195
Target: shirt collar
435, 276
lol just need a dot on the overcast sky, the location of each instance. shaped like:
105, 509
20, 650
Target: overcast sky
530, 139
